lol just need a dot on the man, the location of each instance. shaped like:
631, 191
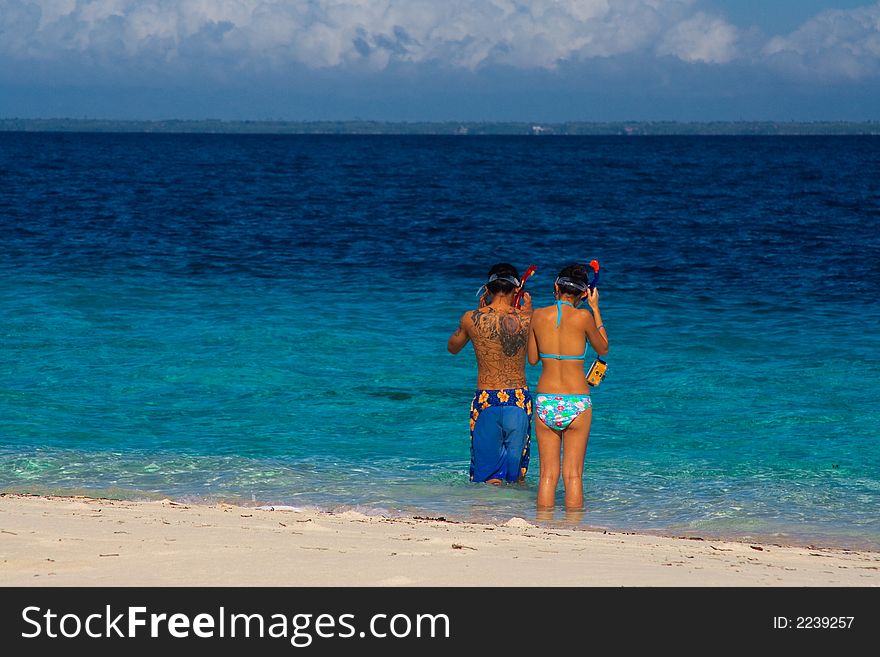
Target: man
501, 411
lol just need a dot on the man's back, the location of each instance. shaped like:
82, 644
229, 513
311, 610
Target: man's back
500, 338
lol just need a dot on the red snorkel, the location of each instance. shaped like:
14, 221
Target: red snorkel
517, 299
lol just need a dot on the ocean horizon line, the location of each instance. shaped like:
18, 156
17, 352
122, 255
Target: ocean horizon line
450, 127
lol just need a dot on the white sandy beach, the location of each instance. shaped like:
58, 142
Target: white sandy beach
78, 541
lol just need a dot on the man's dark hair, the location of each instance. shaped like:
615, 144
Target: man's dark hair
577, 274
501, 286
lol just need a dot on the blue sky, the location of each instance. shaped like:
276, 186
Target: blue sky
530, 60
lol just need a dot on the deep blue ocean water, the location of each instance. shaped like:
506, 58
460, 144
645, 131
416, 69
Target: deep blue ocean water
263, 320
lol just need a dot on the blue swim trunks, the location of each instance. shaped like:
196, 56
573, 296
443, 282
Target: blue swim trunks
501, 427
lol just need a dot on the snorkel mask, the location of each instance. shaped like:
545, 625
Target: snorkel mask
571, 283
499, 277
578, 285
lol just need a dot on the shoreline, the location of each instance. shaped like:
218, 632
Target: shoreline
87, 541
559, 519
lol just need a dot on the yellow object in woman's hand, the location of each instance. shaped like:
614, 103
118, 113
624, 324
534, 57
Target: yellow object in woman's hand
596, 373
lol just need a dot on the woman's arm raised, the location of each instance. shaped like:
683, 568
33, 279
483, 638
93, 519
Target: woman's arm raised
595, 329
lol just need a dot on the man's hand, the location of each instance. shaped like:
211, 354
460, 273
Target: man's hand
526, 303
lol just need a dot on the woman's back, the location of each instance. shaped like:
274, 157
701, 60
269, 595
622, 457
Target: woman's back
560, 333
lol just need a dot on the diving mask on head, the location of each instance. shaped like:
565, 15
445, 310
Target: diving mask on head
578, 285
565, 280
513, 280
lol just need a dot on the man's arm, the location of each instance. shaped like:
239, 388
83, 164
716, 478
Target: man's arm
459, 338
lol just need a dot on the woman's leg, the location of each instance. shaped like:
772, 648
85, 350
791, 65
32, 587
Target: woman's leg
548, 452
574, 447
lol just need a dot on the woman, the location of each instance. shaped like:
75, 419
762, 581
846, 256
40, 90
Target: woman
560, 336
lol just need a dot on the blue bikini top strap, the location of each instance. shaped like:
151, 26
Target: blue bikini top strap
559, 310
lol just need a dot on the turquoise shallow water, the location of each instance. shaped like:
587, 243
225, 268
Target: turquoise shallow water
216, 351
204, 393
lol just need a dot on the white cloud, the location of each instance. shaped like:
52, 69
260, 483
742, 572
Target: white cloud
701, 38
268, 34
236, 37
833, 44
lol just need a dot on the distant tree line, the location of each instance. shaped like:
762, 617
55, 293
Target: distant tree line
357, 127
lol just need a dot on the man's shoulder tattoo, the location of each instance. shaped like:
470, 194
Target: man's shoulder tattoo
478, 316
510, 330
